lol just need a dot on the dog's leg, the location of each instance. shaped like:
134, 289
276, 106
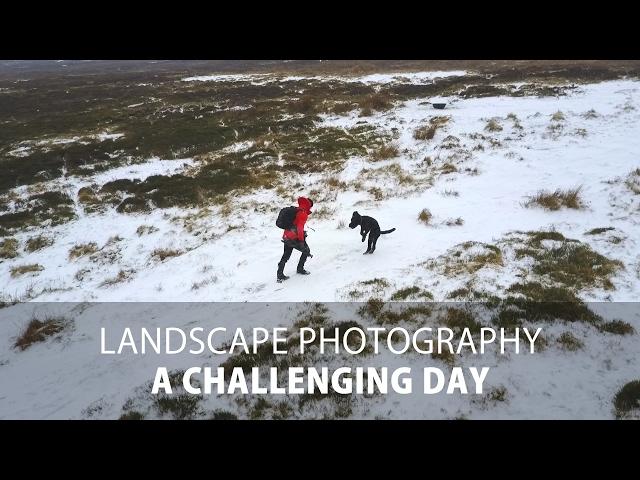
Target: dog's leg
369, 245
373, 243
363, 232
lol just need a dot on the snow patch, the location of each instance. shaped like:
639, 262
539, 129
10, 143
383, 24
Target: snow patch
142, 171
109, 136
378, 78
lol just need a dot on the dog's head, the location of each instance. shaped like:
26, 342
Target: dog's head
355, 220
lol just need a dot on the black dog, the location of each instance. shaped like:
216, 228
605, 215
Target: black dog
368, 224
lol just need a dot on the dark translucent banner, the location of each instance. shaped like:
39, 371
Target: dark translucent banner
500, 359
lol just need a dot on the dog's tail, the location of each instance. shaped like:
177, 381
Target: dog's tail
387, 231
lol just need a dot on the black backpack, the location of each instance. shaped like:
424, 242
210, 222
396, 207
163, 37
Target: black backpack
286, 217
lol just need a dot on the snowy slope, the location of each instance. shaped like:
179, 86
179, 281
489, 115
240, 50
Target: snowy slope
490, 203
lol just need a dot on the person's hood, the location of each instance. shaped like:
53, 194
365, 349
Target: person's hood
305, 204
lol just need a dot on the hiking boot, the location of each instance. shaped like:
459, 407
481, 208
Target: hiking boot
302, 271
282, 277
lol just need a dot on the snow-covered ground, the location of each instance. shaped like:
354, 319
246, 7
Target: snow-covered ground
376, 78
490, 203
221, 264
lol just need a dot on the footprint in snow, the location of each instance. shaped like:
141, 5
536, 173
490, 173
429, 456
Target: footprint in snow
255, 288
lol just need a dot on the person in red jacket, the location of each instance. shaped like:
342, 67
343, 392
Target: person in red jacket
296, 238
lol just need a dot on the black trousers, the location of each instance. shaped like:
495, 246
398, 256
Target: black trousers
289, 246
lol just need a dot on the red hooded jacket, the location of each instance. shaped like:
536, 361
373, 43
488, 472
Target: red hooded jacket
304, 209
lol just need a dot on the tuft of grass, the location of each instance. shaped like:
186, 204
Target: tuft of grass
444, 356
414, 292
548, 304
164, 253
315, 316
145, 230
22, 269
558, 116
378, 282
454, 222
508, 318
86, 195
264, 356
468, 258
569, 198
282, 411
202, 283
182, 406
376, 193
457, 320
342, 328
223, 415
83, 249
555, 129
492, 397
80, 274
425, 216
404, 293
259, 408
491, 255
571, 263
590, 114
493, 126
335, 183
38, 331
617, 327
114, 239
226, 209
122, 276
426, 132
627, 399
534, 242
448, 168
282, 191
305, 104
498, 394
538, 236
450, 142
598, 231
633, 181
538, 292
340, 108
375, 102
9, 248
570, 342
38, 243
372, 308
439, 120
132, 415
576, 265
385, 152
461, 292
413, 313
